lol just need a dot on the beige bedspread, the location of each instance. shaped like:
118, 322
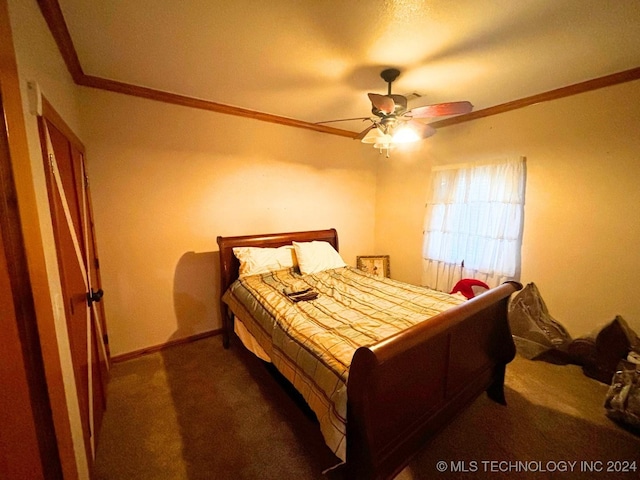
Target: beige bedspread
312, 342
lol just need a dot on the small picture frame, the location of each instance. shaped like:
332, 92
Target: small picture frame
377, 265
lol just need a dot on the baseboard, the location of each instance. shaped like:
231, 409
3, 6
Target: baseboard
156, 348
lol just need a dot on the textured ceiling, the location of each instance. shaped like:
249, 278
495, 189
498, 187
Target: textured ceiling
315, 60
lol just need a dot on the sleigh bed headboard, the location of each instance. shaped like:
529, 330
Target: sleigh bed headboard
229, 264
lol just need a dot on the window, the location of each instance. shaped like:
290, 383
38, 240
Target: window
473, 224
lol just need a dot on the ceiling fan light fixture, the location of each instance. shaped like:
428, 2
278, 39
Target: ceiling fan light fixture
373, 135
393, 124
384, 142
406, 134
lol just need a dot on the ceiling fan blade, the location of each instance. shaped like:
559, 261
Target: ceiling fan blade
382, 102
363, 133
422, 129
343, 120
441, 110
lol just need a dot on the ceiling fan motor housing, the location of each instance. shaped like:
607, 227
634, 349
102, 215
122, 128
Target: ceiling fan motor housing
400, 102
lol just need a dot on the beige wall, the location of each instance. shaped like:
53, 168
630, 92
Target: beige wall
581, 233
400, 196
166, 180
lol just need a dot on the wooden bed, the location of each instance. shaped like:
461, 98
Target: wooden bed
404, 389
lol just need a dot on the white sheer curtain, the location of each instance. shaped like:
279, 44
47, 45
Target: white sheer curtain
473, 224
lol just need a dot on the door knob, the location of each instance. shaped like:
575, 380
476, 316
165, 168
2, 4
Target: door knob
94, 296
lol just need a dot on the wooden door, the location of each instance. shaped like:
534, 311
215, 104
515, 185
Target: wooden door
100, 340
67, 186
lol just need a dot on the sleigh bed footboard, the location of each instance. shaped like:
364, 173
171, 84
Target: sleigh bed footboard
403, 390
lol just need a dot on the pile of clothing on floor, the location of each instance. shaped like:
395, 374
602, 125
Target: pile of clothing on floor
601, 352
609, 354
539, 336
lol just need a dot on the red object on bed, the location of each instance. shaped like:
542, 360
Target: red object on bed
465, 287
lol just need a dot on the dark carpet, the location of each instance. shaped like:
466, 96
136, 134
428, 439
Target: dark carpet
197, 411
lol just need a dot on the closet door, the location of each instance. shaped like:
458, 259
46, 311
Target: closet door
67, 186
100, 339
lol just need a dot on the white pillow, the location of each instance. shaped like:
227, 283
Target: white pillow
317, 256
256, 260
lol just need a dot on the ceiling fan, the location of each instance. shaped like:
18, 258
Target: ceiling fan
392, 123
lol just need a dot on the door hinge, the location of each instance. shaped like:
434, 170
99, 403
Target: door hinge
105, 339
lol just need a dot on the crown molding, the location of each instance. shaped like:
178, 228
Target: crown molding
55, 20
52, 14
185, 101
596, 83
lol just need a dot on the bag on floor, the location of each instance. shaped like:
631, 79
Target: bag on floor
600, 352
536, 333
623, 398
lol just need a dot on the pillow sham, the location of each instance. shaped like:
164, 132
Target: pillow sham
256, 260
317, 256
